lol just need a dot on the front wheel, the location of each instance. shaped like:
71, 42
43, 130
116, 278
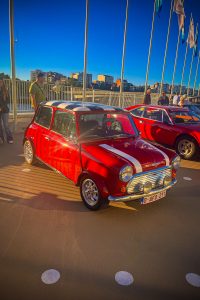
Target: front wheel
186, 147
90, 194
29, 153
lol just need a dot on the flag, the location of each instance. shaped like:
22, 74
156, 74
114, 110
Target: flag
191, 39
158, 6
196, 43
179, 10
178, 7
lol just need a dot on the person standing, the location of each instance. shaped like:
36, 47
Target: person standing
176, 99
147, 97
163, 99
4, 114
37, 92
183, 100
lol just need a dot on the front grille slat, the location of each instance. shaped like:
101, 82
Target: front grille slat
155, 177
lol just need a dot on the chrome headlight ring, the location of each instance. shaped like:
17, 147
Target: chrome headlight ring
176, 162
126, 173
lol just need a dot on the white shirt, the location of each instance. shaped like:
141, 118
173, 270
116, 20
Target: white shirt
175, 100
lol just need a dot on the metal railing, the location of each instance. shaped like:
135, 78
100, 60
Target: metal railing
73, 94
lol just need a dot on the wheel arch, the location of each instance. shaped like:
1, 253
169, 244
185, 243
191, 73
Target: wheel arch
185, 135
98, 180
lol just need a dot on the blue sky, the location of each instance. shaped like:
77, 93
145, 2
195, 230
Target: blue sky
50, 36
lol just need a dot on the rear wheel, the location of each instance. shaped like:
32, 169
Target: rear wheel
90, 194
186, 147
29, 153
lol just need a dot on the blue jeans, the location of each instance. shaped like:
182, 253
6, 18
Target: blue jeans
4, 125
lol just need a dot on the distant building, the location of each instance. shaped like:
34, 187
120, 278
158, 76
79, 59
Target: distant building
105, 78
79, 77
35, 73
52, 77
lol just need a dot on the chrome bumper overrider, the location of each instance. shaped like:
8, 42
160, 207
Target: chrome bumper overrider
139, 196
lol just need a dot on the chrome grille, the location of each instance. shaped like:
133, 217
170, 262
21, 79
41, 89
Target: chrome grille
156, 178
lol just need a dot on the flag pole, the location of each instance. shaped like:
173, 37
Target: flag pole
175, 62
12, 61
190, 73
185, 59
85, 51
123, 55
166, 47
150, 47
196, 74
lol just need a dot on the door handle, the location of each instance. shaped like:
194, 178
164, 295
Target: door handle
47, 138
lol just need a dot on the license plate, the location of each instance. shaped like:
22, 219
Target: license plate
153, 198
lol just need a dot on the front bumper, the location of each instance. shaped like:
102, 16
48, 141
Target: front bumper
139, 196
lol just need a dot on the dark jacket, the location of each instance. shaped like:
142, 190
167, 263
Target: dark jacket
147, 99
163, 100
4, 103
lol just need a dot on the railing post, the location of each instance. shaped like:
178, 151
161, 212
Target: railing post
71, 93
93, 95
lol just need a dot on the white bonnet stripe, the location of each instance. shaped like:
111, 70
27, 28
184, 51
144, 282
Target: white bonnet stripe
166, 157
133, 160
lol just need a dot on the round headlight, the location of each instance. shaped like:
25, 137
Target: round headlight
176, 162
167, 180
126, 173
147, 187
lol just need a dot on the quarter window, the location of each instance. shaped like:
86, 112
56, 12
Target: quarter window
44, 116
138, 112
166, 118
64, 123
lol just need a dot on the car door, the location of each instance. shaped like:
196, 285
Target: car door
43, 122
163, 130
64, 149
151, 120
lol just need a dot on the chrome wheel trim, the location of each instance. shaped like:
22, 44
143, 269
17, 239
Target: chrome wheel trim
90, 192
185, 147
28, 152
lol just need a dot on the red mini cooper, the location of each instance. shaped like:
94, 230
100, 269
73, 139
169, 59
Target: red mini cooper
171, 126
98, 147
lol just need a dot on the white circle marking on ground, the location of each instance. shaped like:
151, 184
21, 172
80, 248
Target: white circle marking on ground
187, 178
50, 276
26, 170
124, 278
193, 279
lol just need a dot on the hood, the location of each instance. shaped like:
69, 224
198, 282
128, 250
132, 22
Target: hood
142, 155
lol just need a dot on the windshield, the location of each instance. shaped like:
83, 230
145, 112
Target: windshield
196, 109
184, 117
106, 125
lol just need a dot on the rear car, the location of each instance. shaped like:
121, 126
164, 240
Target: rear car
170, 126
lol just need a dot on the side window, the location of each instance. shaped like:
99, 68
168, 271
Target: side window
138, 112
153, 114
64, 123
44, 116
165, 117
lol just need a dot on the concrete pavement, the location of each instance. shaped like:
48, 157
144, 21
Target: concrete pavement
44, 225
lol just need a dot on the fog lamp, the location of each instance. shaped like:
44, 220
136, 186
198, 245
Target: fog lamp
147, 187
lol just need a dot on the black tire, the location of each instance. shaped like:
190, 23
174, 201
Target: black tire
94, 192
29, 153
186, 147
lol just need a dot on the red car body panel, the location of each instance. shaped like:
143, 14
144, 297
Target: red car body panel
164, 133
76, 159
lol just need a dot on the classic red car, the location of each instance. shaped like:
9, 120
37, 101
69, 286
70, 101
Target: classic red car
171, 126
98, 147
